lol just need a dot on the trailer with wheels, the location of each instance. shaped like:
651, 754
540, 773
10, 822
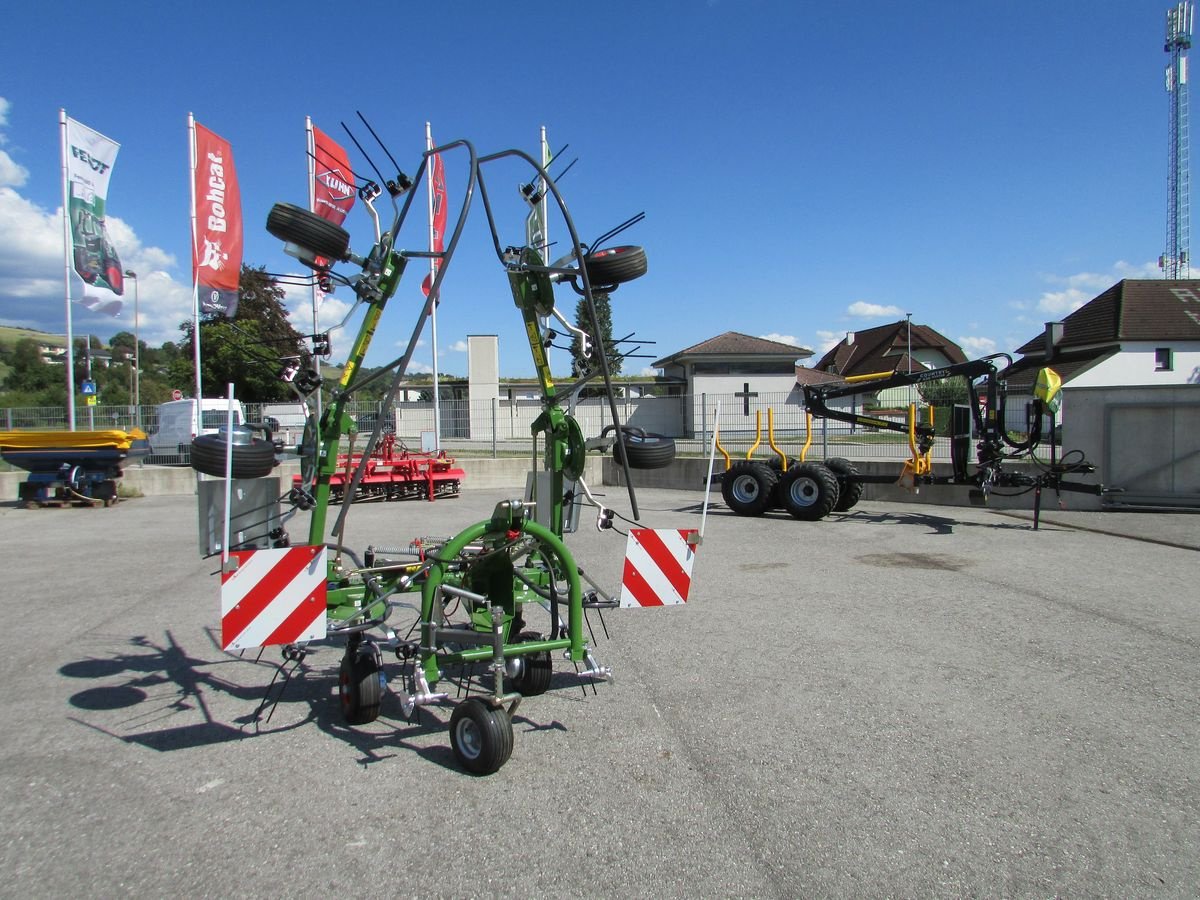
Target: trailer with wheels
811, 491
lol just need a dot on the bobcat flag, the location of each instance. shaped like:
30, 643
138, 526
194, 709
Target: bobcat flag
89, 159
437, 218
217, 224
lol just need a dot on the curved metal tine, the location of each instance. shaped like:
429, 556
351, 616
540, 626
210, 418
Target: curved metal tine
576, 248
401, 363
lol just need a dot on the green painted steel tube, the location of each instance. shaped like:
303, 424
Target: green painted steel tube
552, 546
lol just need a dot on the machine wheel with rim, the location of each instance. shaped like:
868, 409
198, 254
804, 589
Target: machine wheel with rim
615, 265
645, 450
250, 460
296, 225
359, 687
747, 487
808, 491
535, 669
481, 736
849, 492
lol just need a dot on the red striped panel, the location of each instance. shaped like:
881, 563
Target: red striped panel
633, 582
664, 560
260, 596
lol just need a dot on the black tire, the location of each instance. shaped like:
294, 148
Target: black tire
536, 670
645, 451
849, 492
808, 491
252, 460
481, 736
359, 687
747, 487
615, 265
296, 225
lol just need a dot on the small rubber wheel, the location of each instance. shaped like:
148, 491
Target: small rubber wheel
296, 225
615, 265
849, 491
536, 670
747, 487
360, 687
252, 460
645, 451
808, 491
481, 736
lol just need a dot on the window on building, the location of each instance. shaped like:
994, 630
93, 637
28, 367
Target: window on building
1162, 359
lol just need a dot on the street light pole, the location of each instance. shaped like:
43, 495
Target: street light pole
137, 399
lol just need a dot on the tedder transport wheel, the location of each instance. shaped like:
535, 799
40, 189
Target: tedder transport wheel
252, 460
646, 451
808, 491
849, 491
359, 686
616, 265
481, 736
535, 671
296, 225
747, 487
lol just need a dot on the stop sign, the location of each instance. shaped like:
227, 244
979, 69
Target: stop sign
177, 394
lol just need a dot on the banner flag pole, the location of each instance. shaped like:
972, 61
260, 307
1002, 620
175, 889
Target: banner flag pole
62, 128
195, 271
437, 413
311, 145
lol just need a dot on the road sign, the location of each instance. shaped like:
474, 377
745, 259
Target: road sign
91, 399
88, 387
177, 394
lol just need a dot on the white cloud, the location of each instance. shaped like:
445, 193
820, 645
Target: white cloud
1076, 290
648, 372
866, 310
11, 172
31, 269
976, 347
461, 346
781, 338
827, 340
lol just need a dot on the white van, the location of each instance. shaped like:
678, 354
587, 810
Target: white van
178, 423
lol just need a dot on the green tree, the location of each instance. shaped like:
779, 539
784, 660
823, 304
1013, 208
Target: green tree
249, 351
581, 365
942, 395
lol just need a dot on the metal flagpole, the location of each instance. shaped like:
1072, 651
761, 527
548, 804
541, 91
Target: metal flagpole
437, 412
195, 269
62, 128
316, 291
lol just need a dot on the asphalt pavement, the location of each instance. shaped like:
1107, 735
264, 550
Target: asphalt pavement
902, 700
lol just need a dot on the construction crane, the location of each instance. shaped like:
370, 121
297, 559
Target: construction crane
1174, 262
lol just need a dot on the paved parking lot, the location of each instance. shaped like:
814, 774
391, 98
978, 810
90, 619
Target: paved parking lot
903, 700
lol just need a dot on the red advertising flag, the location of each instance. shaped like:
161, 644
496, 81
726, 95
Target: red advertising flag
217, 242
333, 179
437, 231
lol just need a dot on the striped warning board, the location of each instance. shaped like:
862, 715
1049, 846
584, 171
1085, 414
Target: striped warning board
273, 597
658, 567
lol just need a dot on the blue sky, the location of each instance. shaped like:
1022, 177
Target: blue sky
806, 168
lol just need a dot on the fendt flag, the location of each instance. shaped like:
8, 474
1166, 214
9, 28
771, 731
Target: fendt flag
217, 237
90, 157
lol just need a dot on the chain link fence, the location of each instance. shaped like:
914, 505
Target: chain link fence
502, 426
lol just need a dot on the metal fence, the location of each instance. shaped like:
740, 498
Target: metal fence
502, 426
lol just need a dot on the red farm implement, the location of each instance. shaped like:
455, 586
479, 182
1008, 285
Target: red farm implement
393, 472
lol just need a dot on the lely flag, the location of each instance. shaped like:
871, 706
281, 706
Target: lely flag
217, 241
90, 157
437, 225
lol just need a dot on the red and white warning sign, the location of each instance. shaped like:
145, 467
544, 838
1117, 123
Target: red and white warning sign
658, 566
273, 597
